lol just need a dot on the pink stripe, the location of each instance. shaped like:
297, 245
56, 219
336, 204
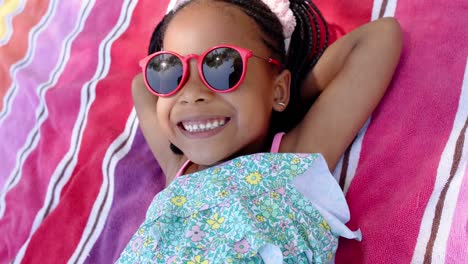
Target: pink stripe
457, 251
403, 145
18, 124
56, 130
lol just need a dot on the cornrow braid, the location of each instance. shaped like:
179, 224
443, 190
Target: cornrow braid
306, 47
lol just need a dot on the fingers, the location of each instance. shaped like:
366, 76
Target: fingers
145, 106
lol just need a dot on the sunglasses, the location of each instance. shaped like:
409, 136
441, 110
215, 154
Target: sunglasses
222, 69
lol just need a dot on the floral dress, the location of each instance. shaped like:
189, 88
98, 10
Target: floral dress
260, 208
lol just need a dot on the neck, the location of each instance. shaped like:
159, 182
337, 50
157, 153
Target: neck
259, 145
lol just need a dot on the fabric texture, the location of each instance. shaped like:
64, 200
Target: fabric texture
247, 210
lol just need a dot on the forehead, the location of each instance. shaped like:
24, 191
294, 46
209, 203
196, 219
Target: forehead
202, 25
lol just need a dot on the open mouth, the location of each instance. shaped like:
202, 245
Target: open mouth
207, 125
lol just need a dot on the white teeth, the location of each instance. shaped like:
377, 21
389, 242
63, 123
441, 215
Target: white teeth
199, 127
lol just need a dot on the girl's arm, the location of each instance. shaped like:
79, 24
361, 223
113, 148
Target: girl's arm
349, 80
145, 106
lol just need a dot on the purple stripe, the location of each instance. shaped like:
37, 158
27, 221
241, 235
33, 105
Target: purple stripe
18, 124
138, 178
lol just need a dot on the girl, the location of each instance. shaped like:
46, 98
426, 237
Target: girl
222, 78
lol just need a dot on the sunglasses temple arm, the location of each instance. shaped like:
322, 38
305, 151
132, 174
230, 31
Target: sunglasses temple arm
275, 62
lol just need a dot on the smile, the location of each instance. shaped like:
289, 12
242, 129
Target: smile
203, 125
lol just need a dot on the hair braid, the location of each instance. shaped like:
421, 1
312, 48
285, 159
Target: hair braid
306, 47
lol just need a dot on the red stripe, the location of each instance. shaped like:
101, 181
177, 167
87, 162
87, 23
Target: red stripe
344, 16
17, 46
403, 145
106, 121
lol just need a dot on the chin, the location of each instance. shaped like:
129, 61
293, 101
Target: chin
208, 160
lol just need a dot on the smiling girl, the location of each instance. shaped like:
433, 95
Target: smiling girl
247, 113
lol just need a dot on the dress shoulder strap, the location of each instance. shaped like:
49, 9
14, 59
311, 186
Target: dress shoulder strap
276, 142
183, 168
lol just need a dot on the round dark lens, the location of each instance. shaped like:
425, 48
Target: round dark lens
222, 68
164, 73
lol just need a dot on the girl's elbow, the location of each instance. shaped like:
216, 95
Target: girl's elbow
392, 30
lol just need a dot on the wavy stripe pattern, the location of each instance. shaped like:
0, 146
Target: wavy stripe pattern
76, 175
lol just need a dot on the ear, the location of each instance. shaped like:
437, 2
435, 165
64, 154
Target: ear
281, 91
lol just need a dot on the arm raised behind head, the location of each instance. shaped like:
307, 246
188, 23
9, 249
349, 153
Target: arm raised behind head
348, 81
145, 106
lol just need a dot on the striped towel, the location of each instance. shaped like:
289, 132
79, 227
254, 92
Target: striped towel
76, 176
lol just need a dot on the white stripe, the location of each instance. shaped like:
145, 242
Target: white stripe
111, 161
443, 173
8, 22
391, 8
337, 172
376, 9
354, 156
389, 11
32, 40
15, 176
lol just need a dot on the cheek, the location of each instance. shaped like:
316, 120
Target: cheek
255, 109
163, 115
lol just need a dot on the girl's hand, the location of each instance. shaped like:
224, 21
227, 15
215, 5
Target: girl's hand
145, 106
349, 80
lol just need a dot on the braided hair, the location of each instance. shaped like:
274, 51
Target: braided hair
308, 42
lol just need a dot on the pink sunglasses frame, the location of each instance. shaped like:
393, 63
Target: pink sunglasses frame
244, 53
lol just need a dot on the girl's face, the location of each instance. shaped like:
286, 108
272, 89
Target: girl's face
239, 120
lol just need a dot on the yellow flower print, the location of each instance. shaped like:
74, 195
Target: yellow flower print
296, 161
216, 171
291, 216
274, 195
260, 218
238, 164
253, 178
223, 193
325, 225
179, 200
215, 222
159, 256
141, 231
148, 241
198, 260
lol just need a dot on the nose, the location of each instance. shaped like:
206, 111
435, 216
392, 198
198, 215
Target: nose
194, 90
